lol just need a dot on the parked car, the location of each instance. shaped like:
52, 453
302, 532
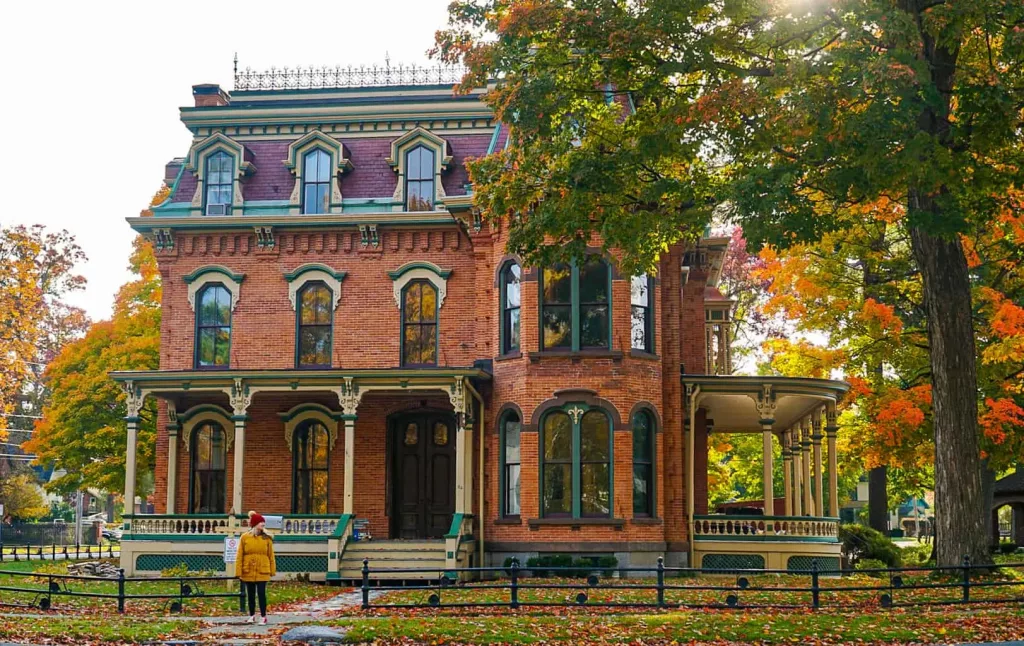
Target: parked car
111, 535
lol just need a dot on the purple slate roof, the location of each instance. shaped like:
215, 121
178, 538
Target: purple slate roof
371, 176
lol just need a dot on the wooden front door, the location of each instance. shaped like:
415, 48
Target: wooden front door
424, 487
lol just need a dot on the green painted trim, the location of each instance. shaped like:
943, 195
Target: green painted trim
171, 209
292, 414
298, 376
494, 138
177, 538
214, 269
419, 264
359, 201
768, 539
576, 449
198, 410
223, 222
174, 188
456, 528
313, 266
343, 523
332, 576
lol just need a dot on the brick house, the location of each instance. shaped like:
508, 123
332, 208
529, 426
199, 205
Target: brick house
347, 346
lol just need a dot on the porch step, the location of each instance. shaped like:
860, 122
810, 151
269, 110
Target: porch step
392, 555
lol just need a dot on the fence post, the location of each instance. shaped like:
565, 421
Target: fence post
967, 579
661, 581
514, 590
1, 552
366, 584
241, 597
65, 552
120, 590
815, 592
53, 552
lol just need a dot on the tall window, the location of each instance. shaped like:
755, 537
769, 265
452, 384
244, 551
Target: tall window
419, 324
510, 277
219, 169
207, 492
510, 432
575, 302
576, 477
643, 464
419, 179
213, 327
310, 457
313, 348
642, 313
316, 182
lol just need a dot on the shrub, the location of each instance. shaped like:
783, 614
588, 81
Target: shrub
872, 564
916, 554
1008, 548
861, 542
567, 566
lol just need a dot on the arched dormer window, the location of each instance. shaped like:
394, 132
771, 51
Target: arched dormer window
213, 327
207, 490
219, 182
314, 326
576, 459
575, 306
419, 179
310, 459
316, 182
510, 307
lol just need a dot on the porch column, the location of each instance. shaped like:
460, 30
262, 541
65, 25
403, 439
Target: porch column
457, 396
798, 472
833, 463
769, 486
173, 426
348, 398
805, 462
134, 399
787, 477
819, 500
240, 398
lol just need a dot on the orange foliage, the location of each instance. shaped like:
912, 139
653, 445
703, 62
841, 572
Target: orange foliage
1001, 417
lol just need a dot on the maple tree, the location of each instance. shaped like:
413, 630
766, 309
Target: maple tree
629, 121
82, 429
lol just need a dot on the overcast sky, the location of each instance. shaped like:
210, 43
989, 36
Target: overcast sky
92, 90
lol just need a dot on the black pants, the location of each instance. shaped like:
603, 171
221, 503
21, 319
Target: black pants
251, 590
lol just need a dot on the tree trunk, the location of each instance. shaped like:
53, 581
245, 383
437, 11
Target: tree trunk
960, 511
878, 499
988, 487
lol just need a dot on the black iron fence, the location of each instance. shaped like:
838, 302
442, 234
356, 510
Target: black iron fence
40, 590
45, 533
14, 553
811, 588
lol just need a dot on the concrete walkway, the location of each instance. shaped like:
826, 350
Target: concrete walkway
235, 630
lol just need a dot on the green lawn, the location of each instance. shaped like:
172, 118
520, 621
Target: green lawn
281, 595
94, 630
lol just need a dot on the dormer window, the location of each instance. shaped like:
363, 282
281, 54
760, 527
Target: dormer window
316, 182
219, 172
419, 179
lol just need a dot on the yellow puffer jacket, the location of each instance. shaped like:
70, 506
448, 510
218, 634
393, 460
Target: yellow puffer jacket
255, 561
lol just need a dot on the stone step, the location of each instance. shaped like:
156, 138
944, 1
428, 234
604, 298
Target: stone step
385, 546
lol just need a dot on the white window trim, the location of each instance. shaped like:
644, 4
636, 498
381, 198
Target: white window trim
295, 163
214, 274
196, 415
442, 160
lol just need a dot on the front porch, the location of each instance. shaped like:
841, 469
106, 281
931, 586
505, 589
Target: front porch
800, 527
230, 442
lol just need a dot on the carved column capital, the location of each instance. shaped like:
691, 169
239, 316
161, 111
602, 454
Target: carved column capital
349, 396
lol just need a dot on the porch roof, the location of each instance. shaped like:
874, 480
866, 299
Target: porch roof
156, 381
732, 401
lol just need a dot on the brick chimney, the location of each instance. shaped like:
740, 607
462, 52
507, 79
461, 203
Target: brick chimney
210, 94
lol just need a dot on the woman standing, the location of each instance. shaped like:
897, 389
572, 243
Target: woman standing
255, 564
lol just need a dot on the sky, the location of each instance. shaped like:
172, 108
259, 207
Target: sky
90, 104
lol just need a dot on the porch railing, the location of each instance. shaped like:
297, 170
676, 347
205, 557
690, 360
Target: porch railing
218, 525
765, 527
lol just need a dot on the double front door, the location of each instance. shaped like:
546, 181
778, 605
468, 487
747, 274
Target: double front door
423, 446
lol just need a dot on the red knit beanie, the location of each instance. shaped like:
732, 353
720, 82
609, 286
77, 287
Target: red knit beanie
255, 519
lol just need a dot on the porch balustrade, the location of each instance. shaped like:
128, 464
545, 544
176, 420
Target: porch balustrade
317, 526
764, 527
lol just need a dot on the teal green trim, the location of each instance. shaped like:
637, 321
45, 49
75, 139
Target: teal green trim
192, 412
759, 538
343, 523
172, 209
333, 576
314, 266
419, 264
290, 415
174, 189
733, 562
214, 269
356, 201
494, 138
456, 528
265, 210
577, 462
194, 562
177, 538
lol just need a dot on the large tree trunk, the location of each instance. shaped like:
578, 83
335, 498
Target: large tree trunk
878, 499
960, 512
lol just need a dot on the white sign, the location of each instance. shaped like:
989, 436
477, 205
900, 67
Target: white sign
1, 511
230, 549
274, 522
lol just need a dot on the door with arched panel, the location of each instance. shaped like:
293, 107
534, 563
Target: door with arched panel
423, 446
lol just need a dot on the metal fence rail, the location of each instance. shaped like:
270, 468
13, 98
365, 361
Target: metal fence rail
15, 553
893, 589
62, 585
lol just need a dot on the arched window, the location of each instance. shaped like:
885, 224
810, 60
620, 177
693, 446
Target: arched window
643, 464
213, 327
207, 491
310, 457
576, 476
220, 168
575, 306
510, 277
510, 463
419, 179
315, 310
419, 324
316, 182
641, 296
